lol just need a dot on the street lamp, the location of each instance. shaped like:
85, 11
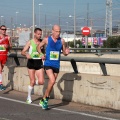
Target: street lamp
74, 23
33, 19
39, 13
50, 26
67, 33
16, 18
1, 19
74, 29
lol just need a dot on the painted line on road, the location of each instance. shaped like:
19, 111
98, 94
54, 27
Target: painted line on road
73, 112
4, 119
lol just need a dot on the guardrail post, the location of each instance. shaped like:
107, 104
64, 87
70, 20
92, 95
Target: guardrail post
103, 67
73, 63
15, 57
17, 61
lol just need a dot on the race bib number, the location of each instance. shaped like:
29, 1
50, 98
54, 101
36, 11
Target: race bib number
2, 48
54, 55
35, 55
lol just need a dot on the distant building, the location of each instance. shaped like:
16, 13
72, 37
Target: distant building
69, 37
99, 33
24, 36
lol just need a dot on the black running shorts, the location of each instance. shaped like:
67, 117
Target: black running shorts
55, 70
35, 64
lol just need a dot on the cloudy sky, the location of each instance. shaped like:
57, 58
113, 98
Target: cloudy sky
57, 12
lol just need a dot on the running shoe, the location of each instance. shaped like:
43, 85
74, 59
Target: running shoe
43, 104
2, 87
46, 100
28, 101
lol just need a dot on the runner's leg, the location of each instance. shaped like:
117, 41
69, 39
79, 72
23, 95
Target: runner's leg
40, 76
52, 78
32, 82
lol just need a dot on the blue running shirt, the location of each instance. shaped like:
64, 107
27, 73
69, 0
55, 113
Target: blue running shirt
53, 51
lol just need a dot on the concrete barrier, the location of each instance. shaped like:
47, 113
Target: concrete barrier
92, 89
89, 86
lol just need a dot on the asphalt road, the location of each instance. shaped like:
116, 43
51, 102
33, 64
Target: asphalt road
13, 107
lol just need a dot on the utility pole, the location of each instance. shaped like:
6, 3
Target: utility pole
87, 14
33, 5
74, 23
39, 15
108, 20
86, 37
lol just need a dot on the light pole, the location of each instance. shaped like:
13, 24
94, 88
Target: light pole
39, 13
74, 27
33, 20
74, 22
16, 18
50, 26
1, 19
67, 33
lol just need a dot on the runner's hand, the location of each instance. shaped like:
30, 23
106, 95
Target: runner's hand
43, 57
67, 51
28, 56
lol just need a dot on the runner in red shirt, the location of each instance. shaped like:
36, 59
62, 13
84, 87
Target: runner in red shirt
5, 44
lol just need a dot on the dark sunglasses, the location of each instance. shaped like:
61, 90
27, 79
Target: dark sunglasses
4, 29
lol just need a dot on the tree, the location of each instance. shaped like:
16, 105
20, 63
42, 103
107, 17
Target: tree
111, 42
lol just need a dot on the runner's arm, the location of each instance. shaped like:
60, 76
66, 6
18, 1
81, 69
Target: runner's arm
40, 45
24, 51
10, 43
66, 50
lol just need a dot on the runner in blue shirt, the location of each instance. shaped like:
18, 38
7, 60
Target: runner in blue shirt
54, 45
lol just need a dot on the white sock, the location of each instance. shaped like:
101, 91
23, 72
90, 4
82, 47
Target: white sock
29, 92
36, 82
0, 78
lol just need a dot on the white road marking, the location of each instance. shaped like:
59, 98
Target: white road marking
73, 112
4, 119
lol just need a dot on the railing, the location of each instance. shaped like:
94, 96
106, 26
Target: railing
101, 61
97, 51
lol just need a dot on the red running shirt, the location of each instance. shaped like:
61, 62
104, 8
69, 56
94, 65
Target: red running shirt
4, 41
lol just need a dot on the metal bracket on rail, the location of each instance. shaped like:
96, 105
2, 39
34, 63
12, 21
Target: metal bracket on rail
98, 53
103, 67
73, 63
15, 59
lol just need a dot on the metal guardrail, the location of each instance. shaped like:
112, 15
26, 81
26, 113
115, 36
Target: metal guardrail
20, 48
101, 61
97, 51
94, 48
92, 60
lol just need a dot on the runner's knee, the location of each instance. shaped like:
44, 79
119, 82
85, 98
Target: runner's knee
40, 82
52, 82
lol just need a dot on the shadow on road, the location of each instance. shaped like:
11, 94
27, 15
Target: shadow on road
67, 80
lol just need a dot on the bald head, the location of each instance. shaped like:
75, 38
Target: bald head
56, 27
56, 31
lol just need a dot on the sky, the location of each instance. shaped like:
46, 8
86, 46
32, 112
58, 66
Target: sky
57, 12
